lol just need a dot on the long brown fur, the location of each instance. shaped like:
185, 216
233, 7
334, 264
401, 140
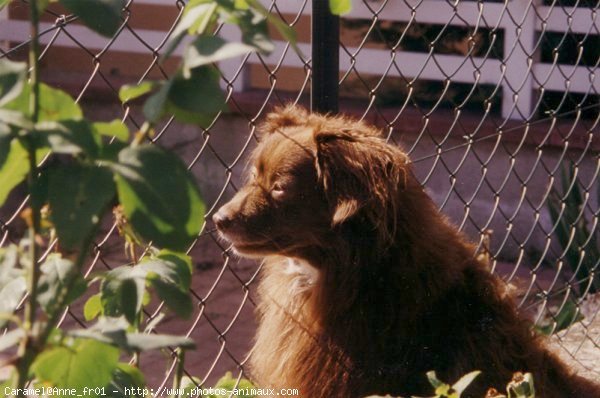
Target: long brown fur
366, 286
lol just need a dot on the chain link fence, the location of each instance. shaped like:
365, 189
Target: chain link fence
497, 103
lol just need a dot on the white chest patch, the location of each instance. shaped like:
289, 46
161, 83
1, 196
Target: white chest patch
304, 275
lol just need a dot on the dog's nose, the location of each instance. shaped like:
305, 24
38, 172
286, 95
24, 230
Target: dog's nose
221, 219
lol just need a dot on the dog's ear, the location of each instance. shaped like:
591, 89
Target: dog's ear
345, 209
361, 175
339, 174
281, 117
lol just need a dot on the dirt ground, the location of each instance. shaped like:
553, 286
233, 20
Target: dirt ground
579, 345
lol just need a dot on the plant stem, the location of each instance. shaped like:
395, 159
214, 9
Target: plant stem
34, 54
34, 109
27, 347
141, 135
178, 372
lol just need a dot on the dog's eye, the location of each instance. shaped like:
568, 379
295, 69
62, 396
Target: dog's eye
277, 191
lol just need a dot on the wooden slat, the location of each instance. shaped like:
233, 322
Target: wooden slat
578, 79
18, 31
431, 11
576, 20
409, 64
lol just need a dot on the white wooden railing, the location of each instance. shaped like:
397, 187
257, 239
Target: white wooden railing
515, 73
521, 24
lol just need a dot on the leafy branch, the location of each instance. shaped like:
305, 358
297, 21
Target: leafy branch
98, 166
521, 386
579, 244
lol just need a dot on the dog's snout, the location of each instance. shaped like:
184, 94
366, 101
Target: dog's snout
222, 219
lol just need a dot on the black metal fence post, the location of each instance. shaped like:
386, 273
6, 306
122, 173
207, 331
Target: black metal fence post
325, 58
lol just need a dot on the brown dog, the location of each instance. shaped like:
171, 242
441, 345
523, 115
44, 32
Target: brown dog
366, 286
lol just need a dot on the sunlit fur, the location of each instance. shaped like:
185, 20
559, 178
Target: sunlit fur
366, 286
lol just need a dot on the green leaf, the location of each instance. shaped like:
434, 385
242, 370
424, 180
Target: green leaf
208, 49
190, 385
568, 315
10, 339
149, 342
127, 381
42, 5
198, 98
185, 116
12, 79
156, 105
123, 288
570, 224
15, 118
228, 382
241, 4
55, 104
14, 169
255, 31
11, 294
6, 136
339, 7
109, 152
122, 292
39, 190
68, 137
116, 129
112, 331
88, 363
9, 259
196, 19
12, 281
445, 391
78, 194
202, 10
180, 264
170, 274
146, 299
129, 92
102, 16
167, 270
461, 385
433, 380
3, 3
93, 307
521, 386
163, 207
286, 31
194, 98
60, 278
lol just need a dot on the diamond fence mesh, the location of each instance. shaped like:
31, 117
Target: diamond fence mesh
497, 103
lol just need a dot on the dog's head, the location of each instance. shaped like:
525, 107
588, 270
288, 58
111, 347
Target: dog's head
312, 175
